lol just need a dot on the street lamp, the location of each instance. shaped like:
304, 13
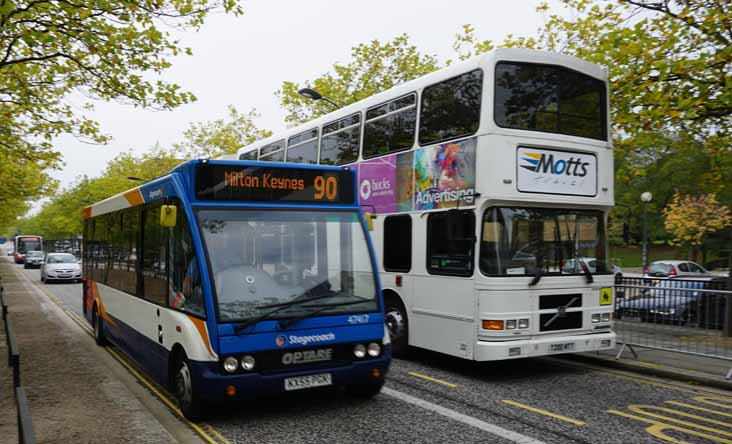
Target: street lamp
645, 197
314, 95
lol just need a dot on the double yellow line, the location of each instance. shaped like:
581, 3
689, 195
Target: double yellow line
206, 431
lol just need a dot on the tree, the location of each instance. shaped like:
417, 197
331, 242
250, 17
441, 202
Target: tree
374, 67
93, 50
212, 139
690, 219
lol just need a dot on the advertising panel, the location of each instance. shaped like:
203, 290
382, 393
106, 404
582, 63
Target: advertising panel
385, 184
444, 174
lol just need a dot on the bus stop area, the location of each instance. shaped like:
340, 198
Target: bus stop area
73, 393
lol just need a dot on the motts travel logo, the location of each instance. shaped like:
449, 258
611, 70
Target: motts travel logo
545, 163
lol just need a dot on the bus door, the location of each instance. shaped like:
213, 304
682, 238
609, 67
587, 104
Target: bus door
443, 308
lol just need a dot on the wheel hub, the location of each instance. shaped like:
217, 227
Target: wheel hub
394, 322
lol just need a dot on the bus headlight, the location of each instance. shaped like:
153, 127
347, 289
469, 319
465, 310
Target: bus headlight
374, 349
230, 364
359, 351
606, 317
595, 318
523, 323
247, 363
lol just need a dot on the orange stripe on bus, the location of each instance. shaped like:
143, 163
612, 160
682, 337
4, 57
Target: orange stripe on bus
102, 312
134, 197
201, 326
87, 213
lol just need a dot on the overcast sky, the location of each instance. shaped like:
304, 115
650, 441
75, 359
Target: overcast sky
243, 60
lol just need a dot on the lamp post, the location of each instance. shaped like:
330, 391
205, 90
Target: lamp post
645, 197
314, 95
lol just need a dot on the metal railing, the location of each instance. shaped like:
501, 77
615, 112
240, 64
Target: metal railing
680, 314
25, 422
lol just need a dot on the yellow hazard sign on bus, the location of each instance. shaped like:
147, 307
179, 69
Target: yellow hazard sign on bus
606, 296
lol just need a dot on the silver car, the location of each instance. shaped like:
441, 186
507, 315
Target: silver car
34, 259
60, 267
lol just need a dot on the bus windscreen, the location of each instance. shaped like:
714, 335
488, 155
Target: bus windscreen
247, 183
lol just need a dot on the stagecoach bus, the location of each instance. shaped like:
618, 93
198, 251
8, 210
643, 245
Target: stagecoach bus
25, 243
230, 279
491, 181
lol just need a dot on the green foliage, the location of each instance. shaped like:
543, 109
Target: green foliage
374, 67
218, 137
98, 50
690, 220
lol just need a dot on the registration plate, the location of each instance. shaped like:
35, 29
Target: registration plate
310, 381
567, 347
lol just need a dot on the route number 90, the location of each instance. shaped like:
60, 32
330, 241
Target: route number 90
325, 187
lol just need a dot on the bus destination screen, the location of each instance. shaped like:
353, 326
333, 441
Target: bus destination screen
244, 183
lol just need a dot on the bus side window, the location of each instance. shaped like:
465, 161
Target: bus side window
154, 261
398, 243
390, 127
447, 256
185, 292
451, 109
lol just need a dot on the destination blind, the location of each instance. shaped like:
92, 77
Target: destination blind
246, 183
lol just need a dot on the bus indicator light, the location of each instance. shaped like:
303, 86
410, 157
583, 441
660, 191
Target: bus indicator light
492, 324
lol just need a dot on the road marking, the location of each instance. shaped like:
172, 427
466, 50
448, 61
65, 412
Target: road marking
431, 379
74, 317
657, 429
701, 409
460, 417
576, 422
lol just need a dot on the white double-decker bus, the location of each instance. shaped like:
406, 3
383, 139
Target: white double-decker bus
490, 182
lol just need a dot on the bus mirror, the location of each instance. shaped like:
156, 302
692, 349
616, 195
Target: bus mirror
370, 220
168, 215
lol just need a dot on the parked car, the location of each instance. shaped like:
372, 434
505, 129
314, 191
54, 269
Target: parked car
573, 266
34, 259
676, 268
678, 301
10, 252
60, 267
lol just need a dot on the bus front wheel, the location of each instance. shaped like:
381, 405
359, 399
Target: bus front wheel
395, 317
188, 400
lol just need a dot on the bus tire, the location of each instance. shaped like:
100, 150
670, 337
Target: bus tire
397, 324
188, 399
364, 390
98, 324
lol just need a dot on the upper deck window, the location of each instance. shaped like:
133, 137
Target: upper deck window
274, 152
451, 109
390, 127
551, 99
249, 155
339, 144
303, 147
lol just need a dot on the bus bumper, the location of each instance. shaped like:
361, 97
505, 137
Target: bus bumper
212, 385
499, 350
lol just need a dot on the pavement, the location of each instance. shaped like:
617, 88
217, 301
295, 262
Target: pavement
433, 398
77, 393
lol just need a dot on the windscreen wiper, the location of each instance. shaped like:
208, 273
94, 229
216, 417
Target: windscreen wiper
276, 308
321, 308
580, 260
539, 270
